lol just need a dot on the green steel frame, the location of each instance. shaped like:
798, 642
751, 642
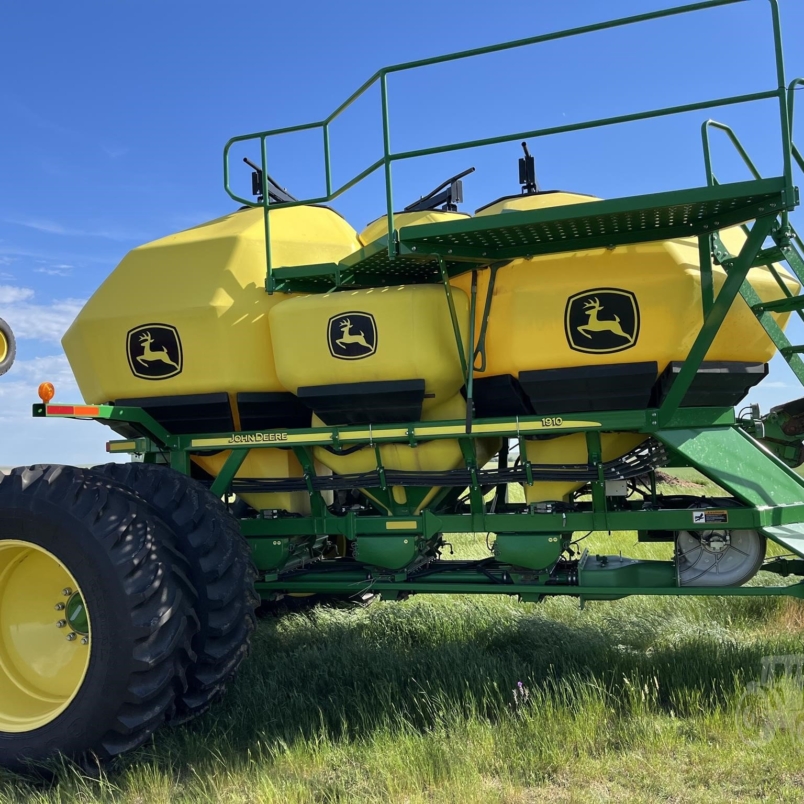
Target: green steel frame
395, 550
708, 439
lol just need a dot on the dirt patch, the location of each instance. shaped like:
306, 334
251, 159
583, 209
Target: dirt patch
677, 482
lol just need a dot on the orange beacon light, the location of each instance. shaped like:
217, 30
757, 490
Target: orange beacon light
46, 392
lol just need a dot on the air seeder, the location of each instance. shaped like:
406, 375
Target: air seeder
375, 392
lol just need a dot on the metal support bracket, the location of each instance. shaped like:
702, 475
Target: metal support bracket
227, 473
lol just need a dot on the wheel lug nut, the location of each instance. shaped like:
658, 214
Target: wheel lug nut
67, 592
61, 623
85, 641
59, 606
70, 637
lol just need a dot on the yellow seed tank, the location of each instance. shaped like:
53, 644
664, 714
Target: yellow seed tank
184, 328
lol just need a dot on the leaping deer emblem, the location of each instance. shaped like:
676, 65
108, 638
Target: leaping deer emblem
592, 307
348, 337
150, 355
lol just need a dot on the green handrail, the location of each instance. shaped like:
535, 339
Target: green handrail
781, 92
791, 93
729, 132
711, 180
795, 153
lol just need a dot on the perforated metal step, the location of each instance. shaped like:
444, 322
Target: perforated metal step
466, 243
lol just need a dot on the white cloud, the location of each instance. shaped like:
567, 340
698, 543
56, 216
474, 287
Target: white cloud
27, 374
55, 270
26, 440
10, 294
41, 225
43, 322
53, 227
14, 253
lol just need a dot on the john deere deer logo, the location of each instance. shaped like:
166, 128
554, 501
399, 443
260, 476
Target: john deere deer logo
154, 351
602, 320
352, 336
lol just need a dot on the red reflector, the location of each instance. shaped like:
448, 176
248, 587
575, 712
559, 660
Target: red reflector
72, 410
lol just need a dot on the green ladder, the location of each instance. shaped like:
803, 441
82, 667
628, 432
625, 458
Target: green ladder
787, 248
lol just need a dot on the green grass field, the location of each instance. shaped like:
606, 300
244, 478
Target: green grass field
420, 701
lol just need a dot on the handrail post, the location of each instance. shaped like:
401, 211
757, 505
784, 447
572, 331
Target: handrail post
226, 178
791, 99
791, 95
787, 143
327, 159
729, 132
710, 178
386, 145
266, 202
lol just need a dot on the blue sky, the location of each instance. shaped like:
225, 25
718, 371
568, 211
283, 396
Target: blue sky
115, 116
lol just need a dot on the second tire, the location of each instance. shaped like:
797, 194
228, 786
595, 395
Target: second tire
220, 568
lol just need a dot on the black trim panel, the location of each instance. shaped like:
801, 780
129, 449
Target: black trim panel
383, 402
189, 413
617, 386
719, 384
272, 411
499, 396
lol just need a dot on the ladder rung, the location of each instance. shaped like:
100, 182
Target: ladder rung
792, 350
768, 256
780, 305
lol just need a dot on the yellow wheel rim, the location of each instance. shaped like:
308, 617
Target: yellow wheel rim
44, 637
3, 347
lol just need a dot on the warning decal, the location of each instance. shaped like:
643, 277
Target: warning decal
709, 516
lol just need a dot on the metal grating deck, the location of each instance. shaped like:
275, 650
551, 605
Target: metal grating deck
482, 240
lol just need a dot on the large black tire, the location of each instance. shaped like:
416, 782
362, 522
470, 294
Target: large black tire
140, 603
8, 347
220, 568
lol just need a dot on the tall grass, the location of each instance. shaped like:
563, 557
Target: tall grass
482, 699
